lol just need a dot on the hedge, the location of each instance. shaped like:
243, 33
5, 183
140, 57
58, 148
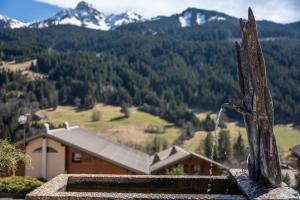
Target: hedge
19, 184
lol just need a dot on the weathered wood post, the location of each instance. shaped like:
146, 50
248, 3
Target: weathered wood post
257, 107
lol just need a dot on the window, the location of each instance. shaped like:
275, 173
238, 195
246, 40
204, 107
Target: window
76, 157
37, 150
186, 169
197, 168
49, 150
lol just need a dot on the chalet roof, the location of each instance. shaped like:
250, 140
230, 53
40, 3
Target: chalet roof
118, 154
97, 146
175, 154
296, 150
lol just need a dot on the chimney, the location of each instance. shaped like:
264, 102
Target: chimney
47, 128
66, 125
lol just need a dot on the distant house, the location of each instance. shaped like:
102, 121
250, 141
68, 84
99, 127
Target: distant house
194, 164
295, 151
75, 150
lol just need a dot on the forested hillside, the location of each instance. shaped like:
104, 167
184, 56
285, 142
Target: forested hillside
165, 70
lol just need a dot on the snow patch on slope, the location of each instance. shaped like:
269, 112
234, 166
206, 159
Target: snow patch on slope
124, 18
190, 18
6, 22
216, 18
71, 20
185, 20
200, 19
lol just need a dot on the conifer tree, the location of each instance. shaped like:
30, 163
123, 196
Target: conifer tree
224, 146
125, 110
208, 145
239, 149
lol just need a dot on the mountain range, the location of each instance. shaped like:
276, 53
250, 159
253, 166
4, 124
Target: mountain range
86, 15
167, 65
6, 22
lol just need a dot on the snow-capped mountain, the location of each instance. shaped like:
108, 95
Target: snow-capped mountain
6, 22
87, 16
83, 15
128, 17
192, 17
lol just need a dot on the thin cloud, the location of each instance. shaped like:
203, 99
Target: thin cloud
282, 11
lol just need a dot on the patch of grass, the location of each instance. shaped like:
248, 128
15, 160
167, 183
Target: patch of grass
24, 67
170, 135
286, 136
131, 130
113, 124
196, 143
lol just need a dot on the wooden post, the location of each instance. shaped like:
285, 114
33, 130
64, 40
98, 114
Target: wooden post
257, 107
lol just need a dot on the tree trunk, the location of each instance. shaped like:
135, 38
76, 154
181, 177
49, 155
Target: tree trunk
257, 108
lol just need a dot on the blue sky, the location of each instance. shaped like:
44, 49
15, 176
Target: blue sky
282, 11
27, 10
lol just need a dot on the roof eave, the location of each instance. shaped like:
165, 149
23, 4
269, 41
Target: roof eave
86, 151
191, 154
99, 156
169, 164
28, 139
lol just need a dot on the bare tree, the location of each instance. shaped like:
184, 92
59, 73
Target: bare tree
257, 107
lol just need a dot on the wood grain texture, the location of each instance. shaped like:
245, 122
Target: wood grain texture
257, 107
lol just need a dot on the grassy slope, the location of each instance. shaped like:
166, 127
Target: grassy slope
286, 136
112, 124
131, 131
24, 67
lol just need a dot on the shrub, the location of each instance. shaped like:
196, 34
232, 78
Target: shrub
286, 179
96, 115
157, 144
125, 110
155, 129
176, 171
19, 184
10, 156
208, 124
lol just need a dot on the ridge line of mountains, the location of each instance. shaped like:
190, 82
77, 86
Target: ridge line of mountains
167, 66
86, 15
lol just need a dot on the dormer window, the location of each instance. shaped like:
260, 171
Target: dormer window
173, 151
155, 159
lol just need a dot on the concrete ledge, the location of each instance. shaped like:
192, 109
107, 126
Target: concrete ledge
12, 195
254, 191
56, 189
